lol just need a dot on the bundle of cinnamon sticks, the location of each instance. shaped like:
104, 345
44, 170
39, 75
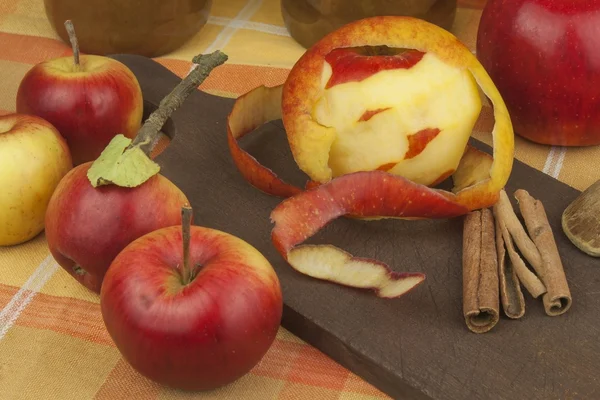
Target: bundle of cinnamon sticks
490, 277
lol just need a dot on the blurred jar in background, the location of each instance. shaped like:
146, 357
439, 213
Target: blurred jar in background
310, 20
146, 27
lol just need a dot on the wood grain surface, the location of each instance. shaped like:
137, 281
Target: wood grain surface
414, 347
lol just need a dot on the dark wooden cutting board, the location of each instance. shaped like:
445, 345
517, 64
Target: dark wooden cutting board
414, 347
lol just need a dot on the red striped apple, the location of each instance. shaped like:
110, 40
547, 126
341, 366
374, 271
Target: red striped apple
192, 322
87, 227
102, 206
33, 160
88, 98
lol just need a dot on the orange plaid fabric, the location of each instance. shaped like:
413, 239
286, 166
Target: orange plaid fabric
53, 344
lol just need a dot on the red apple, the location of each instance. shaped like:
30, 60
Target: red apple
89, 103
33, 160
197, 330
544, 57
87, 227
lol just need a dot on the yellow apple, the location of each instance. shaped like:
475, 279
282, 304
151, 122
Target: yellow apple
33, 159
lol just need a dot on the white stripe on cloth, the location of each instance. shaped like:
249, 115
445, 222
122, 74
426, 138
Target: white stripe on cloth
554, 161
26, 293
559, 162
227, 33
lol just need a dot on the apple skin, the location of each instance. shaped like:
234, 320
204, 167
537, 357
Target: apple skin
544, 57
89, 104
34, 157
87, 227
360, 194
198, 336
350, 65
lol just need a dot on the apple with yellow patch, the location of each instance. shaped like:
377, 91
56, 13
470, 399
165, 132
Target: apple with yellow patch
88, 98
34, 157
377, 114
191, 307
87, 227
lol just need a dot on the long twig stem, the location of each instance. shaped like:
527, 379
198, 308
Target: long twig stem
149, 131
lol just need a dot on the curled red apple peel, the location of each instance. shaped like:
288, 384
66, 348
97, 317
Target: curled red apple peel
365, 194
256, 108
477, 179
332, 264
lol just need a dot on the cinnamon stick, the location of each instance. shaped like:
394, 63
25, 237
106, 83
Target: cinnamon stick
511, 295
532, 283
504, 211
480, 272
558, 298
513, 232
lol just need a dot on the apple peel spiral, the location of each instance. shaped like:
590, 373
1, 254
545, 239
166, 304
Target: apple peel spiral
377, 114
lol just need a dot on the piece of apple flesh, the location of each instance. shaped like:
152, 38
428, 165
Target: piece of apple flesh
404, 112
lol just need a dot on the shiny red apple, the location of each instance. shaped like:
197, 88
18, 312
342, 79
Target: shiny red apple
88, 103
87, 227
194, 330
544, 57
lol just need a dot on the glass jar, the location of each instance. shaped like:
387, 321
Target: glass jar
146, 27
310, 20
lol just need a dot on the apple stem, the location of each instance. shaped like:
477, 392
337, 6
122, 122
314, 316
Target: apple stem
149, 132
186, 223
73, 39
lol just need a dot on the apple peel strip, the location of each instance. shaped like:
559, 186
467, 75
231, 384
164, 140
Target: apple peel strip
344, 269
362, 193
251, 110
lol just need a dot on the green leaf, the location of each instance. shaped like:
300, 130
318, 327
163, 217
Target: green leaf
122, 166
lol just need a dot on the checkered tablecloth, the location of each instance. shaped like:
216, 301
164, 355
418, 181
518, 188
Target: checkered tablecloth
53, 344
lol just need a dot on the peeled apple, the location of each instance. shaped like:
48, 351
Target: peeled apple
377, 114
